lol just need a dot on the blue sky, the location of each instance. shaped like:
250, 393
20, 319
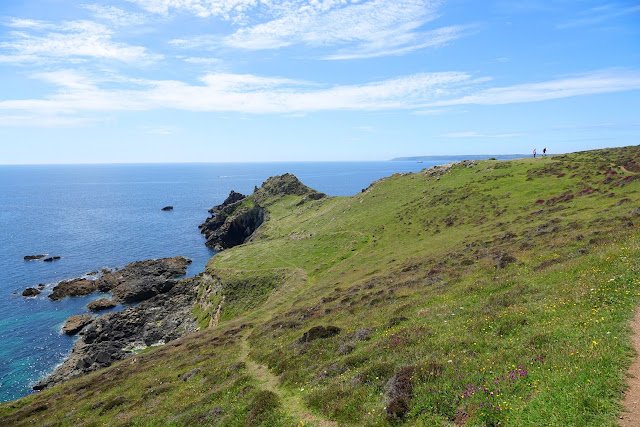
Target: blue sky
281, 80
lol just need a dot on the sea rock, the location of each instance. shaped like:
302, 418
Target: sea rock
33, 257
133, 283
51, 259
30, 292
167, 208
114, 336
74, 324
73, 288
101, 304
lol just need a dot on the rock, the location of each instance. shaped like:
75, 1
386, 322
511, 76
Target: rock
318, 332
232, 222
30, 292
112, 336
33, 257
41, 286
133, 283
101, 304
51, 259
74, 324
73, 288
235, 220
398, 393
167, 208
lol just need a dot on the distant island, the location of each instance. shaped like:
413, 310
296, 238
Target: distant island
460, 157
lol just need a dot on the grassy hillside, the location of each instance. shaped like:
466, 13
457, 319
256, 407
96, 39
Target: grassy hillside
489, 293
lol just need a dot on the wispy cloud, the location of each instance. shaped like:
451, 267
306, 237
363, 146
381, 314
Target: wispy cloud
600, 14
79, 94
115, 15
356, 29
606, 81
67, 41
242, 93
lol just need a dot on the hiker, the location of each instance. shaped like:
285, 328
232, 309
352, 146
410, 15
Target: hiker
534, 153
544, 151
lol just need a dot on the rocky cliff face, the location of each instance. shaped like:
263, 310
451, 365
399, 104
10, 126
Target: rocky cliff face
115, 336
239, 216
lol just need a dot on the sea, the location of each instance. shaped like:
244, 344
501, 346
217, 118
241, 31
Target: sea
106, 216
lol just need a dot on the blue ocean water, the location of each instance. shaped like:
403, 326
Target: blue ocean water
96, 216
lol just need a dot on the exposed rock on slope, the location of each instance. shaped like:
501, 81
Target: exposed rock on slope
114, 336
74, 324
133, 283
239, 216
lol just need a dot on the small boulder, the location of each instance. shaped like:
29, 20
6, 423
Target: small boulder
30, 292
167, 208
318, 332
101, 304
74, 324
33, 257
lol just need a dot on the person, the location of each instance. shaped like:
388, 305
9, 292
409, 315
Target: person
544, 151
534, 153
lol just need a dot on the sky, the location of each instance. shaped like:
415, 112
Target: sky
131, 81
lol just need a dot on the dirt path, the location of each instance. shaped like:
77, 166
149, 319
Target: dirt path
631, 415
291, 402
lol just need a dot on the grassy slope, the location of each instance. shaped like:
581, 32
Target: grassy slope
543, 340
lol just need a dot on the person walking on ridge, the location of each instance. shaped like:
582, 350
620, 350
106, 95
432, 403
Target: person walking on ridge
544, 151
534, 153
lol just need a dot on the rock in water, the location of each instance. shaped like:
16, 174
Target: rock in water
114, 336
133, 283
101, 304
51, 259
30, 292
73, 288
74, 324
33, 257
167, 208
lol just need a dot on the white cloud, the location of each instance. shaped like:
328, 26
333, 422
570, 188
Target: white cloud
235, 93
606, 81
202, 8
358, 29
115, 15
75, 41
80, 95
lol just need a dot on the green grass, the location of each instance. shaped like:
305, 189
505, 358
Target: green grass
542, 340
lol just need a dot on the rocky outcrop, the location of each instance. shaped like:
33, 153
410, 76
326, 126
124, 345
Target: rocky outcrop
74, 324
133, 283
52, 258
33, 257
114, 336
167, 208
30, 292
101, 304
235, 220
73, 288
232, 222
